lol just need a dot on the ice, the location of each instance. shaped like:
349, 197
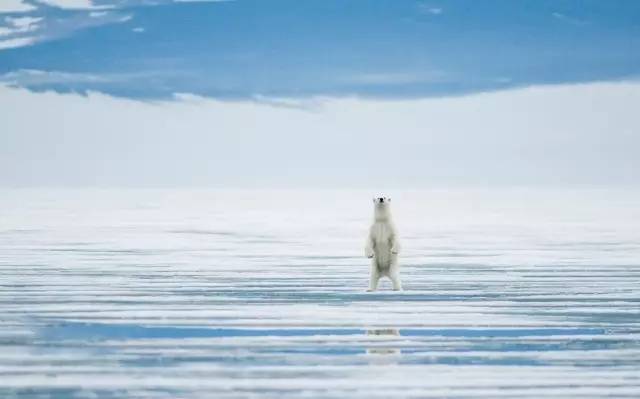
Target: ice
184, 293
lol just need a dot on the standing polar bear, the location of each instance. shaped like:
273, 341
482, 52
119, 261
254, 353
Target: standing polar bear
383, 246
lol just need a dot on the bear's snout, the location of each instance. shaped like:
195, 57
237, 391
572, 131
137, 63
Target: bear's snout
381, 200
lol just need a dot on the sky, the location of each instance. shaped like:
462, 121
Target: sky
360, 93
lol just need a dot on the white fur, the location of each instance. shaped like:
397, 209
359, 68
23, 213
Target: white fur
383, 246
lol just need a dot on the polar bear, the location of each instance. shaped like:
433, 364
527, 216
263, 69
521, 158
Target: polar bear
383, 246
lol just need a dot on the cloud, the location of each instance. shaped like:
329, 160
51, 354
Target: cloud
15, 25
7, 6
24, 23
28, 30
98, 14
17, 42
32, 77
201, 1
426, 8
74, 4
18, 32
570, 20
434, 10
547, 135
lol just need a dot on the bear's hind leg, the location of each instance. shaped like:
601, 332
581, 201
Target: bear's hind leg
374, 277
394, 275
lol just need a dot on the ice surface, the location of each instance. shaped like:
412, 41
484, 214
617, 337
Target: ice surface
216, 294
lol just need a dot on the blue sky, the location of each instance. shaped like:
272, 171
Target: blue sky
290, 48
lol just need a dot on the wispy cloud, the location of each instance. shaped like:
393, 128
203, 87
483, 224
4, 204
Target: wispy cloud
70, 16
17, 25
28, 30
18, 31
97, 14
74, 4
426, 8
7, 6
200, 1
568, 19
17, 42
33, 77
25, 23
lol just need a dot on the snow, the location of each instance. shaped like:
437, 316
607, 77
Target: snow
235, 293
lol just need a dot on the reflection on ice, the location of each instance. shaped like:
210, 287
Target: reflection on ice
384, 348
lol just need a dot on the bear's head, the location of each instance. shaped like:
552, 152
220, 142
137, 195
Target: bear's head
381, 207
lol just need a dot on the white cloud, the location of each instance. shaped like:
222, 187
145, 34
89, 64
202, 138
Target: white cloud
30, 77
15, 6
75, 4
427, 8
541, 135
201, 1
98, 14
23, 23
138, 29
24, 31
19, 25
568, 19
17, 42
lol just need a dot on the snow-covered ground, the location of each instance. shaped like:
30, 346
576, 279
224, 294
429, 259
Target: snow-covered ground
216, 294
